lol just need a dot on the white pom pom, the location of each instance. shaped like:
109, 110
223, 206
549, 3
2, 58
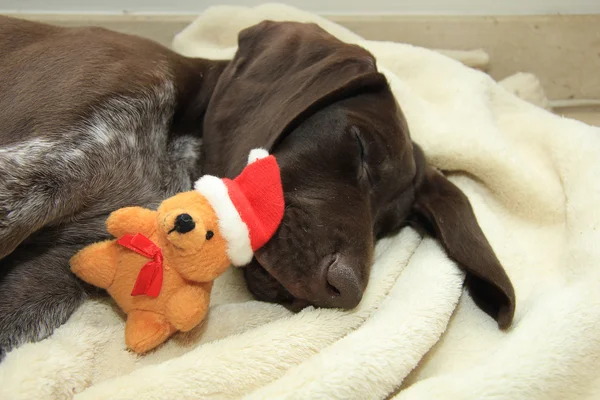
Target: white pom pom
257, 154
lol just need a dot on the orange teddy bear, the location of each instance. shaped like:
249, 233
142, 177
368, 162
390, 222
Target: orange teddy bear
190, 240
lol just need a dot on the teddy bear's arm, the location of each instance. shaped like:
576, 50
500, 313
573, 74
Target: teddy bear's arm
131, 220
96, 264
187, 307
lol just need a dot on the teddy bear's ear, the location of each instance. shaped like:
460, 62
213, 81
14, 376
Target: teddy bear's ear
257, 154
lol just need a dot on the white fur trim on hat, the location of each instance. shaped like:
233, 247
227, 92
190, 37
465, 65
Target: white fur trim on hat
233, 229
257, 154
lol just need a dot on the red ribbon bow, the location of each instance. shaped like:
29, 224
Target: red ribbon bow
149, 280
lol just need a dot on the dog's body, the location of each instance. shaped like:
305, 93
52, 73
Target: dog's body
80, 137
91, 121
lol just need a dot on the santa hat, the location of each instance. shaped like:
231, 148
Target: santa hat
249, 207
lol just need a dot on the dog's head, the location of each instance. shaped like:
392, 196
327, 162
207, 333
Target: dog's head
350, 172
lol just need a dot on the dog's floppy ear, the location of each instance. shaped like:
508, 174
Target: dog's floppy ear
281, 73
443, 209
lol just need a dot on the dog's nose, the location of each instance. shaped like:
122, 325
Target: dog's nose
184, 223
343, 285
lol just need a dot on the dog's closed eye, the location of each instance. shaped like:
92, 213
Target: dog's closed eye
363, 169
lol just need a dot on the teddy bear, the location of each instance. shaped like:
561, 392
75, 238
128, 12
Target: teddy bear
161, 265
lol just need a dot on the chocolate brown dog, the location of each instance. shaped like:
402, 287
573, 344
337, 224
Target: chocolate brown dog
91, 121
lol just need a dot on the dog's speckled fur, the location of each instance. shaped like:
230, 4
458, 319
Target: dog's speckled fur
131, 146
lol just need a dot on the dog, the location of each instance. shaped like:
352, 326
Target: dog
92, 120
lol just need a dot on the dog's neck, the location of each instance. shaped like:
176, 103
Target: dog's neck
195, 80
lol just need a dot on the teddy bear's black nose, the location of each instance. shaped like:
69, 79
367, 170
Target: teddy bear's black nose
184, 223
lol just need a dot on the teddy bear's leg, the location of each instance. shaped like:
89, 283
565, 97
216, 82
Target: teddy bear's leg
145, 330
187, 307
96, 264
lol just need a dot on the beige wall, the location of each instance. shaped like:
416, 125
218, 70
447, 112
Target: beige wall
336, 7
563, 51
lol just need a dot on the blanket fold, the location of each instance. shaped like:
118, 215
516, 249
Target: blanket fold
533, 179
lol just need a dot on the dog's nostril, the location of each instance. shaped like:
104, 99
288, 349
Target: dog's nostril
343, 285
332, 289
184, 223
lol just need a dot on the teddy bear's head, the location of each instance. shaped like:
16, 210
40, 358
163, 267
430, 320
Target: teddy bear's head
190, 237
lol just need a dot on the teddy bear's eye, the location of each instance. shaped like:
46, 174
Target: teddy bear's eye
209, 235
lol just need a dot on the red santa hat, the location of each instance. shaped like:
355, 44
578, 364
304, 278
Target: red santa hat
249, 207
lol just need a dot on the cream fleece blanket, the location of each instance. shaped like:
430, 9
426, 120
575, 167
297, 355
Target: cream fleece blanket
534, 181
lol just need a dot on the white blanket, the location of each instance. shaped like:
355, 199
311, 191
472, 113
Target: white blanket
534, 181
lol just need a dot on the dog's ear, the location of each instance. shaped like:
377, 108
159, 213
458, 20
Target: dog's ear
445, 212
282, 73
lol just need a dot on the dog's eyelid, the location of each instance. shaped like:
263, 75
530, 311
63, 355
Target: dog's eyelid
361, 145
364, 170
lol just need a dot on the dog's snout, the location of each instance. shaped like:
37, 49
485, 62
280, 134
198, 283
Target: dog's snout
184, 223
342, 284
